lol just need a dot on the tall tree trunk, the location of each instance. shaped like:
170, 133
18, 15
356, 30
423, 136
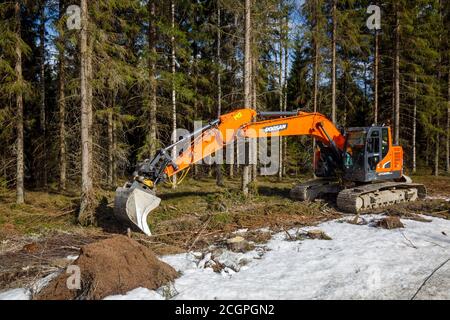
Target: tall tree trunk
254, 142
152, 78
43, 121
174, 93
436, 150
247, 83
110, 147
286, 62
447, 146
114, 144
428, 148
344, 93
333, 63
397, 78
375, 77
19, 106
62, 107
86, 215
440, 78
280, 96
219, 176
414, 138
315, 72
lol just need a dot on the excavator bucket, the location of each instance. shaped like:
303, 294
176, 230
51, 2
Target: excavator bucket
132, 204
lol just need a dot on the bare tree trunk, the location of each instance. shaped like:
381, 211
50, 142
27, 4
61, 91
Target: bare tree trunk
152, 78
397, 79
414, 138
447, 147
219, 176
62, 109
19, 106
436, 151
174, 93
247, 82
110, 147
43, 121
316, 72
254, 142
333, 62
114, 164
375, 77
280, 98
428, 150
438, 127
286, 62
86, 208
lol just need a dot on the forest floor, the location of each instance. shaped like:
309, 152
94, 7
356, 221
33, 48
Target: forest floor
42, 236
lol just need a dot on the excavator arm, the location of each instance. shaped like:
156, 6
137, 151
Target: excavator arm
217, 134
136, 199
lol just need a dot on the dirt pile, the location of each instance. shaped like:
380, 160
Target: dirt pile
111, 266
317, 235
390, 223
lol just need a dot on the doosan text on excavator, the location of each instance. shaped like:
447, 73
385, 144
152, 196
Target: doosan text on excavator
361, 166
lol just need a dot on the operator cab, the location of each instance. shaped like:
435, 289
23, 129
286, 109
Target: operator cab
369, 155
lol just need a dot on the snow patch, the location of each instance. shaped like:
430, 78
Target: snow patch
16, 294
361, 262
137, 294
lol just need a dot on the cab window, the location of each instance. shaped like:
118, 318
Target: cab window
373, 145
384, 142
354, 153
373, 149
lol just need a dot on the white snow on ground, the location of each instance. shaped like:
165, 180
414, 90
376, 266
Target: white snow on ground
137, 294
16, 294
360, 262
445, 198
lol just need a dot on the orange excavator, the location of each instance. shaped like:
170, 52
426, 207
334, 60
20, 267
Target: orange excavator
360, 166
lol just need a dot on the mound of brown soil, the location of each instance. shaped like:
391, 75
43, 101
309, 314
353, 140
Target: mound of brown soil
111, 266
390, 223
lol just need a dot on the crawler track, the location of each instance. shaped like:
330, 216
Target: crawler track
312, 189
378, 195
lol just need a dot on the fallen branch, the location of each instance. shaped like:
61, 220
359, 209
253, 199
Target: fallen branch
439, 214
70, 248
436, 244
169, 233
427, 278
199, 234
288, 234
412, 244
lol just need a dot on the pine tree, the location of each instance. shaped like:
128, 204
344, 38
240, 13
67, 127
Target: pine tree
14, 88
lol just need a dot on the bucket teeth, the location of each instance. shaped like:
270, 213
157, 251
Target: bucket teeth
132, 204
